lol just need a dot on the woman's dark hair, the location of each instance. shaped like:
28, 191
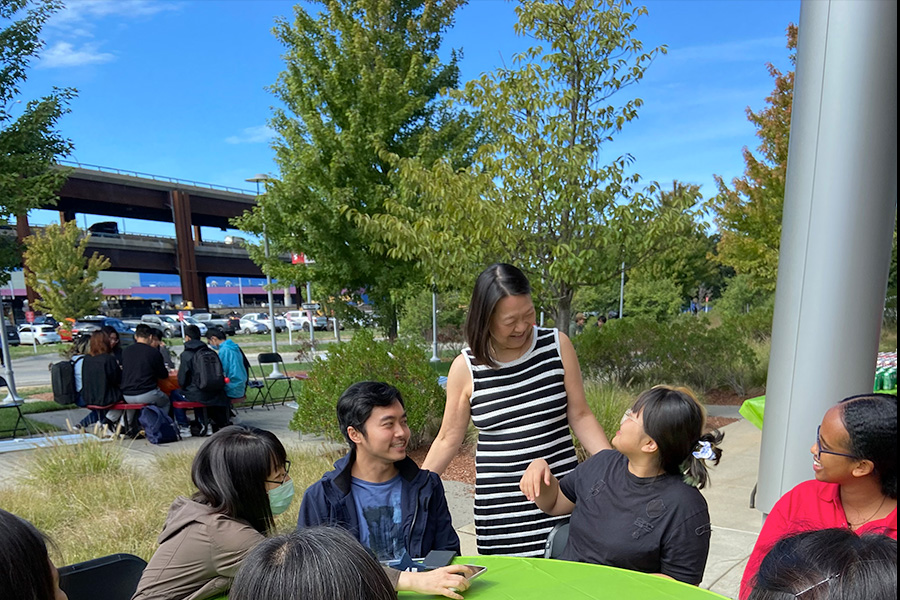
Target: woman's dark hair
99, 343
230, 472
871, 421
675, 420
495, 283
355, 405
321, 563
110, 331
828, 564
25, 571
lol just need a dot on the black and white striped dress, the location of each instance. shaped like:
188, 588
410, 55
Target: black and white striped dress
520, 412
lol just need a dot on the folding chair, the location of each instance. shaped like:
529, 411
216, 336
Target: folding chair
557, 540
258, 384
273, 358
113, 577
10, 402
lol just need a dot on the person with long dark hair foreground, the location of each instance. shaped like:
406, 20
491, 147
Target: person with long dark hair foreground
638, 506
855, 485
324, 563
243, 481
26, 571
828, 564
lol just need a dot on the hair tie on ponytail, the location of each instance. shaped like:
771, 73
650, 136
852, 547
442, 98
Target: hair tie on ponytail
703, 450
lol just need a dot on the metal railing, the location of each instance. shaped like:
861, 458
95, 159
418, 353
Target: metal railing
117, 171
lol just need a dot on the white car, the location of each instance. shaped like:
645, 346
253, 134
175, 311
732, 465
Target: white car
249, 324
299, 320
192, 321
42, 334
280, 323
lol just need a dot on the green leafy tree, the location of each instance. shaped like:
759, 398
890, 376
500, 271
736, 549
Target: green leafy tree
658, 299
543, 192
29, 141
57, 269
363, 80
749, 213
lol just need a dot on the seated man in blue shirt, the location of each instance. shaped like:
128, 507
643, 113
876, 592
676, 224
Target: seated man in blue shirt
376, 492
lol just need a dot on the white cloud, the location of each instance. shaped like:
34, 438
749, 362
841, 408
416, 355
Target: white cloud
64, 54
739, 51
89, 11
252, 135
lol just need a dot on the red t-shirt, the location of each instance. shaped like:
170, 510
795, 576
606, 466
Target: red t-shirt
811, 505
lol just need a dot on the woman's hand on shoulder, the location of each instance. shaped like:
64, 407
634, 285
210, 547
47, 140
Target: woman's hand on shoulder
538, 473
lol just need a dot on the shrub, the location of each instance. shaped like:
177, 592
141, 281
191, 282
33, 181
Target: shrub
403, 365
656, 299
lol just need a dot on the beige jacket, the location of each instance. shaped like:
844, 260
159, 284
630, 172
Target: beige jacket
199, 553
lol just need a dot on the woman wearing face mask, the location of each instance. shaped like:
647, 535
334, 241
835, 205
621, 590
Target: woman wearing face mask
242, 479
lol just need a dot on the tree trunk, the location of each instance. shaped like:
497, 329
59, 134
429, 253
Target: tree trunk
564, 310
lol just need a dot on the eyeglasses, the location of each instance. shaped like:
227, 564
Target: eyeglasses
287, 470
820, 451
629, 415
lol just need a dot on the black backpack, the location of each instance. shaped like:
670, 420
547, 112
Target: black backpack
208, 374
159, 428
62, 381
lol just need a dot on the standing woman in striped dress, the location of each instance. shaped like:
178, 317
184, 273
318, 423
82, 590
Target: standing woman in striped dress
521, 386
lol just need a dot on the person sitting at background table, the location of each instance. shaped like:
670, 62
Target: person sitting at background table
521, 386
142, 368
232, 362
325, 563
217, 404
159, 343
100, 375
26, 571
828, 564
114, 342
855, 485
638, 506
79, 352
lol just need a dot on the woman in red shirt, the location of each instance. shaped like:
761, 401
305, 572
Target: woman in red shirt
855, 465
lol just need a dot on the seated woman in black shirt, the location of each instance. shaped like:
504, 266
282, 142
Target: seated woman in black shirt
101, 374
638, 506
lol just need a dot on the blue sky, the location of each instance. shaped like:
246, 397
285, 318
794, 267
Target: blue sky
178, 88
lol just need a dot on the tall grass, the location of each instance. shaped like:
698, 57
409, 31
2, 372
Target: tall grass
93, 500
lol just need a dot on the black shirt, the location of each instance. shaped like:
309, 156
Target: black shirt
142, 368
649, 524
100, 377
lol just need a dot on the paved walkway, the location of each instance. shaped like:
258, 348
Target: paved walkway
735, 525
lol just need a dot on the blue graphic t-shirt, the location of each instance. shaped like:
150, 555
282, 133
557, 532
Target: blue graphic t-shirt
378, 511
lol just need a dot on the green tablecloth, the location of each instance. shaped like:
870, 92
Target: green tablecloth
509, 578
753, 408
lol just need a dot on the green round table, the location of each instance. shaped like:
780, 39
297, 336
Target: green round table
511, 578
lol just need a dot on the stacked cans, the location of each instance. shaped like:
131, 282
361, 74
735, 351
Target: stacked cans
886, 371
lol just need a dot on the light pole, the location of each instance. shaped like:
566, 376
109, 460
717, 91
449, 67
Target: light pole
434, 338
275, 372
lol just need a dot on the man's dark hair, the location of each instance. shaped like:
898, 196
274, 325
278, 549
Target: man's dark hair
356, 403
143, 331
325, 563
871, 421
216, 332
156, 333
193, 332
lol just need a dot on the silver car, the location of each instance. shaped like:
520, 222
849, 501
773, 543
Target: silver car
250, 325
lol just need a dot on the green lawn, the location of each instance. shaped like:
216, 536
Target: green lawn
26, 349
8, 417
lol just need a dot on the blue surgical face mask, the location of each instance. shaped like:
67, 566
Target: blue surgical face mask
280, 498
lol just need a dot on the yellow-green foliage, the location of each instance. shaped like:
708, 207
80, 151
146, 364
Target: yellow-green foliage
92, 501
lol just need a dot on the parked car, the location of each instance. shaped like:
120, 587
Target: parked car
168, 324
12, 336
91, 323
280, 323
299, 320
229, 324
249, 324
190, 320
42, 334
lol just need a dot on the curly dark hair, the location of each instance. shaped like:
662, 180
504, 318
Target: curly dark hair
871, 421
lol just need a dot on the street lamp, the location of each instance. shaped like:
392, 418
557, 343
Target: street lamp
275, 372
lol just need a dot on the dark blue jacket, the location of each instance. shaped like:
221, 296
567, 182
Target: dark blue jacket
426, 521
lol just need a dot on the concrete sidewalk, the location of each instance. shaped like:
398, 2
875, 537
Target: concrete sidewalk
735, 524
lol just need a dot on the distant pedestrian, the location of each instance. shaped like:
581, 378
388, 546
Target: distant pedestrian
579, 323
601, 321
